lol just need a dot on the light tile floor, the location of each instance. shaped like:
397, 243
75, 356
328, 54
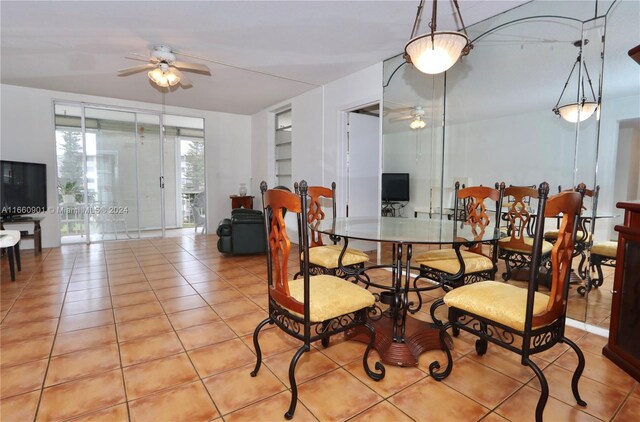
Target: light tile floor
160, 330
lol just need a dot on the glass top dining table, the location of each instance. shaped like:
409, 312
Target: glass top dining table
406, 230
400, 338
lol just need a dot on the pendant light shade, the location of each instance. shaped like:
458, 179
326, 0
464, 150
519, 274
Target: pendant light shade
436, 54
436, 51
581, 110
577, 112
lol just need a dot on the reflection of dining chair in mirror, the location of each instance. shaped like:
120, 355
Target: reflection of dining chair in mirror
313, 307
584, 234
199, 218
443, 265
602, 254
324, 259
515, 249
521, 319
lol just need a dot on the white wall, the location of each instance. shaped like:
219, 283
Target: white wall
318, 133
28, 135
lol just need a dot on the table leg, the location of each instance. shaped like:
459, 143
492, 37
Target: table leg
37, 238
400, 338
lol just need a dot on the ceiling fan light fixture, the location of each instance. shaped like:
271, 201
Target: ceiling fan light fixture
436, 51
417, 123
163, 78
172, 78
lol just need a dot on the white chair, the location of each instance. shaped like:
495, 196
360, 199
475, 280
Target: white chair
10, 240
199, 219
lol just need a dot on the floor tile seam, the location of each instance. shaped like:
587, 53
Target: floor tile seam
207, 305
302, 382
46, 371
83, 349
572, 403
115, 328
286, 389
486, 365
614, 387
389, 403
624, 402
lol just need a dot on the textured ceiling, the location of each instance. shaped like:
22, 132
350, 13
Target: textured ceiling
79, 46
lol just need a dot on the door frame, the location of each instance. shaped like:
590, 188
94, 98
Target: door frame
343, 148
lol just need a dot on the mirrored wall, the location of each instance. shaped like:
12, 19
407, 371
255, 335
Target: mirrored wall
490, 118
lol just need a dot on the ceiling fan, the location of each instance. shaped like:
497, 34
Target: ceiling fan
165, 70
416, 114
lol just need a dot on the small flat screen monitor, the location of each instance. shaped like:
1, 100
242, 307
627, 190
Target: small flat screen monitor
23, 189
395, 187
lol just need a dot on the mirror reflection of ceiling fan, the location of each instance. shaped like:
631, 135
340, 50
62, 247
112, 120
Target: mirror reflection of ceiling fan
163, 68
416, 115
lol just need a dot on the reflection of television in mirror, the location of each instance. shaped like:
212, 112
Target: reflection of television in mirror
395, 187
23, 189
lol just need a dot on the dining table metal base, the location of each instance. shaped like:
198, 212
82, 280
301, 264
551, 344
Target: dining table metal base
420, 336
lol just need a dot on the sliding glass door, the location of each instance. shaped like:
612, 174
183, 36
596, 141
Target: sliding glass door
127, 174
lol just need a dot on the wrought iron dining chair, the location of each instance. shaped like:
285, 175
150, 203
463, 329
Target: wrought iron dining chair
584, 234
443, 265
521, 319
325, 258
515, 249
313, 307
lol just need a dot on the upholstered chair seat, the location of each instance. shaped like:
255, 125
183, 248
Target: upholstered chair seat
446, 260
327, 256
608, 249
528, 241
499, 302
330, 296
580, 235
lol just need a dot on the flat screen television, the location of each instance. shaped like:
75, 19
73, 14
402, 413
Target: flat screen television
23, 189
395, 187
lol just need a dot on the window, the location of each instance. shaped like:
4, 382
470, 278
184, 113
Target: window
283, 149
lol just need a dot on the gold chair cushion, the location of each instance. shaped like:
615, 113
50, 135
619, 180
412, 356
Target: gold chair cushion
330, 296
608, 249
580, 236
546, 246
499, 302
327, 256
445, 260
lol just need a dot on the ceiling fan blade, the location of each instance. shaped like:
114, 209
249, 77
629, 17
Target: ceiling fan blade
399, 119
184, 81
196, 67
139, 59
135, 69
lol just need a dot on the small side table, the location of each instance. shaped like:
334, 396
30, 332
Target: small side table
37, 230
238, 201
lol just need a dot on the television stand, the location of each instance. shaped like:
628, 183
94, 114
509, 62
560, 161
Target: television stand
37, 230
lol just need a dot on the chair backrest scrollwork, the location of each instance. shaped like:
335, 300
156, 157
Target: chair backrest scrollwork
275, 202
567, 204
477, 215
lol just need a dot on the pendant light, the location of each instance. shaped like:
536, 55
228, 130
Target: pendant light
436, 51
582, 109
